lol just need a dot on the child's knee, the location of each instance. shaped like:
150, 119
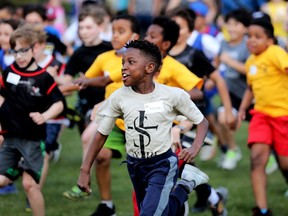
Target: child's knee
29, 184
4, 181
104, 156
258, 161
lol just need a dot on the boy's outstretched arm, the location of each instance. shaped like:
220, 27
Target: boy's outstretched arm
188, 154
53, 111
225, 98
95, 146
100, 81
245, 103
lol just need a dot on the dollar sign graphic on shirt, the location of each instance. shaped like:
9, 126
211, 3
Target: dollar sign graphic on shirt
141, 129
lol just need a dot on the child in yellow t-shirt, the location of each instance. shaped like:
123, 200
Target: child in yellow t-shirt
267, 78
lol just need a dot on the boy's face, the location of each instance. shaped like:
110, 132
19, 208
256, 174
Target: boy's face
258, 41
154, 35
23, 54
122, 33
235, 29
134, 66
4, 14
184, 31
89, 31
5, 33
200, 22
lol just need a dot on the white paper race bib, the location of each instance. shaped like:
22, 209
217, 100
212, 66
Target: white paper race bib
13, 78
253, 70
154, 107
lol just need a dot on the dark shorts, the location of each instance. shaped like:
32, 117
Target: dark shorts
52, 131
236, 104
153, 180
18, 155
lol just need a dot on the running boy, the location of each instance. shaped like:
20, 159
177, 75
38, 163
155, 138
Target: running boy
91, 21
125, 28
148, 117
231, 59
266, 71
31, 98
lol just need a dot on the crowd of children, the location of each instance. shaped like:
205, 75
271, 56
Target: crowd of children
137, 72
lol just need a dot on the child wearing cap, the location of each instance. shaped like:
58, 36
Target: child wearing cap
266, 71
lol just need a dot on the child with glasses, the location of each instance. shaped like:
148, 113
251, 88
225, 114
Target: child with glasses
29, 97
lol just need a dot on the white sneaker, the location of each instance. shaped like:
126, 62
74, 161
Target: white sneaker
208, 150
186, 208
231, 159
271, 165
56, 153
223, 192
192, 177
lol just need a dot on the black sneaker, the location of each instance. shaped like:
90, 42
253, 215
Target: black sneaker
257, 212
219, 209
104, 210
203, 192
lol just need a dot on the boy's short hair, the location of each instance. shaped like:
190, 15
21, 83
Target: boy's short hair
37, 8
170, 29
41, 34
12, 22
25, 35
240, 15
8, 6
263, 20
96, 12
148, 49
135, 26
185, 13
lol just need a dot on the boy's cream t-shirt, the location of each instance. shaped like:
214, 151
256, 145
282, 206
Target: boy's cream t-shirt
148, 117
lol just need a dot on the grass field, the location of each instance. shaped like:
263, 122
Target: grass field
64, 174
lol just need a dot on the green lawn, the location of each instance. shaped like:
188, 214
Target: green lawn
64, 174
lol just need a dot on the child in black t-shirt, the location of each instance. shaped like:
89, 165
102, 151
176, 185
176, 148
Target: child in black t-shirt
31, 97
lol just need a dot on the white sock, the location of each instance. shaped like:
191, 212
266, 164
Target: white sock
213, 198
108, 203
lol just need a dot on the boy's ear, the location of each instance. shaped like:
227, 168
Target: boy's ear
271, 41
101, 26
36, 45
166, 45
135, 36
150, 67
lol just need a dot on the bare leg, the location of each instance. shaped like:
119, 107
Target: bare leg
102, 165
215, 128
259, 158
103, 173
34, 195
44, 170
4, 181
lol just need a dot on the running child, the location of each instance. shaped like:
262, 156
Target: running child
31, 97
148, 117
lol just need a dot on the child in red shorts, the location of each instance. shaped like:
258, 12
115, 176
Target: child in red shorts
267, 78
